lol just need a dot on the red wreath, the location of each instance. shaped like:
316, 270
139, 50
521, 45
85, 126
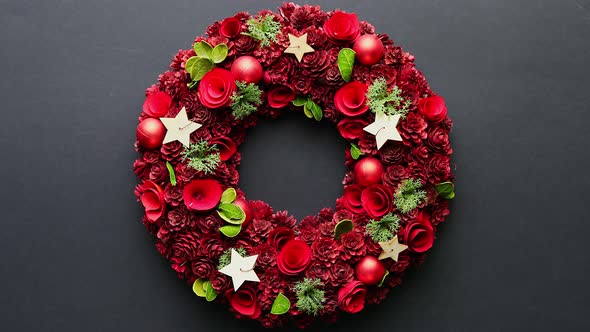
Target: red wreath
262, 263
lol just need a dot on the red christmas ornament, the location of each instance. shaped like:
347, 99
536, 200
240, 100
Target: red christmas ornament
247, 69
369, 49
368, 171
369, 270
245, 206
150, 133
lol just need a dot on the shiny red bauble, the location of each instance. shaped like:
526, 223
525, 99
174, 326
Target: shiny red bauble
247, 69
369, 271
369, 49
245, 206
368, 171
150, 133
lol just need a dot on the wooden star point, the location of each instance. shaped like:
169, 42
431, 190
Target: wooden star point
392, 249
298, 46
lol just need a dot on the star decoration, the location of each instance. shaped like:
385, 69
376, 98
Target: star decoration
240, 269
179, 128
298, 46
384, 128
392, 249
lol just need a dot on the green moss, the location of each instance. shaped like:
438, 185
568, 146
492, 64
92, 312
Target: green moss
202, 156
310, 299
408, 195
385, 229
381, 100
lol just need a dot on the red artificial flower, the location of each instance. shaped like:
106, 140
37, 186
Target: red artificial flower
157, 104
280, 96
202, 195
343, 27
351, 128
230, 27
351, 297
351, 99
294, 257
418, 234
152, 199
279, 236
216, 88
245, 302
377, 200
226, 147
433, 108
352, 198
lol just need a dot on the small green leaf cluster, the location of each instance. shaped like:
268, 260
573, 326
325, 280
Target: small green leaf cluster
381, 100
204, 289
264, 29
385, 229
408, 195
205, 60
310, 299
310, 108
346, 63
245, 100
355, 151
202, 156
225, 258
231, 213
445, 190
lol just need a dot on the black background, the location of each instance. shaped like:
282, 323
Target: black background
512, 256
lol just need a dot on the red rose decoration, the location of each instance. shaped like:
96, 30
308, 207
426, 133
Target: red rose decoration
294, 257
352, 198
433, 108
343, 27
230, 27
280, 96
351, 99
418, 234
376, 200
351, 128
216, 88
279, 236
202, 195
226, 147
152, 199
244, 301
351, 297
157, 104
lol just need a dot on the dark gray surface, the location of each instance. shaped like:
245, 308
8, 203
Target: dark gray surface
513, 255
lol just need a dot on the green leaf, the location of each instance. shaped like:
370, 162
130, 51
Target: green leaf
307, 109
210, 293
346, 62
281, 305
383, 279
230, 230
190, 63
219, 53
201, 67
234, 221
445, 190
192, 84
228, 196
342, 227
230, 210
299, 101
203, 49
355, 151
171, 172
316, 110
198, 287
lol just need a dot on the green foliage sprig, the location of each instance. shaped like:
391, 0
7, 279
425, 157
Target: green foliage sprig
225, 258
246, 100
381, 100
385, 229
310, 299
408, 195
202, 156
265, 29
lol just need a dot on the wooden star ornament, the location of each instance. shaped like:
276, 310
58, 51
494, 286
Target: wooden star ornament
384, 128
240, 269
179, 128
392, 249
298, 46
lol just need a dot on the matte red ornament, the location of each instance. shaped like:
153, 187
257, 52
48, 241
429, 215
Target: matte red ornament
247, 69
369, 49
368, 171
245, 206
150, 133
370, 270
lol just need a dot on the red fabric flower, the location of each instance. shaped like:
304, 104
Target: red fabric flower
352, 198
216, 88
157, 104
245, 302
294, 257
351, 297
230, 27
433, 108
202, 195
352, 128
343, 27
418, 234
351, 99
280, 96
152, 199
279, 236
226, 147
377, 200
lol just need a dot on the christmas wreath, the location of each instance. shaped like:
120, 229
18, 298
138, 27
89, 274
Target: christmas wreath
262, 263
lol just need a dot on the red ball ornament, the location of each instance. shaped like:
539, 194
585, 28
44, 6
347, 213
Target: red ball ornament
245, 206
247, 69
370, 270
368, 171
150, 133
369, 49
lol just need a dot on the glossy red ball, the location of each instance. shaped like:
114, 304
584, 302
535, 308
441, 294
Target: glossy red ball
245, 206
150, 133
368, 171
247, 69
369, 49
370, 270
